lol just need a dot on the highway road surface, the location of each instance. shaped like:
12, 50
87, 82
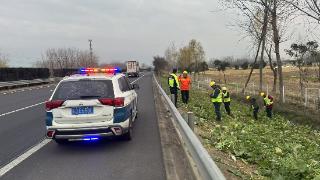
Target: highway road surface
26, 155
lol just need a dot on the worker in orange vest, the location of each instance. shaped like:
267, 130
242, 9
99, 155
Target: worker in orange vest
185, 82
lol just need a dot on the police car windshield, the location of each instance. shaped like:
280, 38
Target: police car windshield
84, 89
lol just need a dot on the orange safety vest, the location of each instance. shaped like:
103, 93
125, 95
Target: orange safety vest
185, 83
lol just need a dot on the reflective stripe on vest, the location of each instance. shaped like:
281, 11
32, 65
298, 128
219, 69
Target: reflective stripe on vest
267, 101
171, 80
226, 99
217, 99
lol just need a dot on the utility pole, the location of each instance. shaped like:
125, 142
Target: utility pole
90, 46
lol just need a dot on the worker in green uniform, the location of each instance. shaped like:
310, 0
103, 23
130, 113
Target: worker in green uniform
268, 103
226, 100
253, 106
216, 99
174, 87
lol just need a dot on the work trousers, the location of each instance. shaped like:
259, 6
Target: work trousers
269, 112
174, 98
185, 96
217, 110
227, 107
255, 113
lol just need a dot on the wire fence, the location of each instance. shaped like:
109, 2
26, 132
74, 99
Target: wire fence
309, 98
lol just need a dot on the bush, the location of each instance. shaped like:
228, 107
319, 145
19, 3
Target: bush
257, 65
245, 65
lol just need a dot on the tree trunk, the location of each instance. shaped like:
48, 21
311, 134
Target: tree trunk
263, 35
301, 81
264, 30
319, 72
273, 70
276, 40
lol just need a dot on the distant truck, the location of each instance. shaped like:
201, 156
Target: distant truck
133, 69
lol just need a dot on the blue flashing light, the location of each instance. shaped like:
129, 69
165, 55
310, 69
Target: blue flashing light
90, 139
117, 70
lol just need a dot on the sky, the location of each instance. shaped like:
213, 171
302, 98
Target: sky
120, 29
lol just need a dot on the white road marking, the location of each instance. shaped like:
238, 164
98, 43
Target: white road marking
25, 155
4, 114
22, 157
136, 79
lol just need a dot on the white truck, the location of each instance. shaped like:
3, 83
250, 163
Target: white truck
133, 69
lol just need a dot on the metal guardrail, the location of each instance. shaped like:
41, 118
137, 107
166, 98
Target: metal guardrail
207, 168
24, 83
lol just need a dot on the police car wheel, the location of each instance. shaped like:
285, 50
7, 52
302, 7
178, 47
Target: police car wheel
128, 136
61, 141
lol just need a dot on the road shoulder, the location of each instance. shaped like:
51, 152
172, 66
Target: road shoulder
175, 159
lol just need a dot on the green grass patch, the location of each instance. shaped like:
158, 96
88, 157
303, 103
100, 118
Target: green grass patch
277, 147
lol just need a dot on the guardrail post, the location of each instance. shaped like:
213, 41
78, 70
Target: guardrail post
191, 120
185, 116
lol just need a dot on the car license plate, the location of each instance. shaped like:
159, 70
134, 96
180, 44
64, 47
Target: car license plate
82, 110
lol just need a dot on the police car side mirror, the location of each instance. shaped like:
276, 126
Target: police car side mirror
135, 86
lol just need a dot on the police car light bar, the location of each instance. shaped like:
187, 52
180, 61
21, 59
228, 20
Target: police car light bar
112, 70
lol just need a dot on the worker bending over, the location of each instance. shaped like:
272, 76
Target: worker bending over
268, 103
253, 106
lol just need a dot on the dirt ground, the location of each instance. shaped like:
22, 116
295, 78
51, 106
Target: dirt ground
290, 74
292, 91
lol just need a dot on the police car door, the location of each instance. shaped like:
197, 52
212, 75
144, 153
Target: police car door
128, 94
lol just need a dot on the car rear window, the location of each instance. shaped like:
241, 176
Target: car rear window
84, 89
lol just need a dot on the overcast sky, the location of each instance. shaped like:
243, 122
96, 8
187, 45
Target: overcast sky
120, 29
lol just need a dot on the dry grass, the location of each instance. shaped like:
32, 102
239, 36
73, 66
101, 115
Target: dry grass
290, 74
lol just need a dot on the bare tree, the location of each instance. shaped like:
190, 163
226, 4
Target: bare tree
160, 64
280, 14
191, 56
310, 8
3, 60
273, 68
171, 55
261, 43
67, 58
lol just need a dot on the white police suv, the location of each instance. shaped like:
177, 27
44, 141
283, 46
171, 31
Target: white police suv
90, 106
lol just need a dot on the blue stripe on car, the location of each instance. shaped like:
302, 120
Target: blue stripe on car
49, 119
122, 114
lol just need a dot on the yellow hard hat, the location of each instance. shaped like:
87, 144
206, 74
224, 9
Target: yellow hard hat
262, 94
224, 88
212, 83
185, 72
248, 97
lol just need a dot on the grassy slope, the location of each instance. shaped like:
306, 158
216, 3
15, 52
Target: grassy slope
277, 147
